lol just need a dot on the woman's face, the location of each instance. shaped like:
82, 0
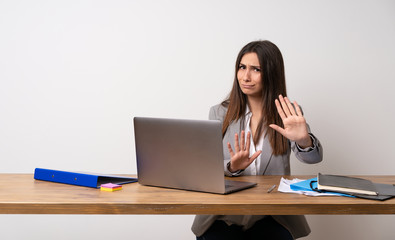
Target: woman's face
249, 75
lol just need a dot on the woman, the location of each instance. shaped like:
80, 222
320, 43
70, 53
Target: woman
260, 128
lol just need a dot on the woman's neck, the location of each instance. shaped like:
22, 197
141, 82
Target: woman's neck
255, 105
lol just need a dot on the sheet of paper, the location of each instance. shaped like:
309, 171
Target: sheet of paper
285, 187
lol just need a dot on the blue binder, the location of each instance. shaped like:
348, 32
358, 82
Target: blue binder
79, 179
387, 190
306, 186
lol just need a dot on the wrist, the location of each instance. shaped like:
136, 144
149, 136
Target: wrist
305, 142
229, 166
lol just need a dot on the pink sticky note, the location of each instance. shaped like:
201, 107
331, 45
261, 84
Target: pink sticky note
110, 185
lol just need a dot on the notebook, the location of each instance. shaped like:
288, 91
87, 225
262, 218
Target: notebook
182, 154
346, 184
358, 187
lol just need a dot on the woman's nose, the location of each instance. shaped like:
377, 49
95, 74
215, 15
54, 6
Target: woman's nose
246, 76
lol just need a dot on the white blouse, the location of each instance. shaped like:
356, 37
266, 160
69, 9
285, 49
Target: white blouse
254, 167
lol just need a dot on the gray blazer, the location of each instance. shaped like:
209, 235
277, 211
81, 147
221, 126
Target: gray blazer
279, 165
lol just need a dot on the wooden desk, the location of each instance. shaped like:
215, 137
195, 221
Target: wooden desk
21, 194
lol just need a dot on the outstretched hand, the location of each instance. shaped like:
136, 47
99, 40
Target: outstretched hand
295, 127
240, 158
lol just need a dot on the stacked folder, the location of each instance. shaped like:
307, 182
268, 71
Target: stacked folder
347, 186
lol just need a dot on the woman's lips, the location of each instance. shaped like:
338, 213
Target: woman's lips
247, 86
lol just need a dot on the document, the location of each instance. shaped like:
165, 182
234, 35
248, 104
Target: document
300, 186
309, 187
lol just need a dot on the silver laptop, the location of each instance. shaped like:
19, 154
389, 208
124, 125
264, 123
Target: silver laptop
182, 154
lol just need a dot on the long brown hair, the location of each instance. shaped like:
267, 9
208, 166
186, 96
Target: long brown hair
273, 81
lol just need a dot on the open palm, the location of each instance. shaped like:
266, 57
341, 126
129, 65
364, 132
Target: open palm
295, 127
240, 157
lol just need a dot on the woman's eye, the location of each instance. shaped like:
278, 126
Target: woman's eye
257, 69
242, 67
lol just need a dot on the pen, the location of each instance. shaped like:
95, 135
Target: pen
271, 189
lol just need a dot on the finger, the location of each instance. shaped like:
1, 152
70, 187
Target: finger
255, 155
298, 110
284, 106
242, 139
290, 106
237, 148
280, 109
278, 129
230, 150
248, 141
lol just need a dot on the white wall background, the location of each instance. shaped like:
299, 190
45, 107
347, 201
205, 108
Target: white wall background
74, 73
